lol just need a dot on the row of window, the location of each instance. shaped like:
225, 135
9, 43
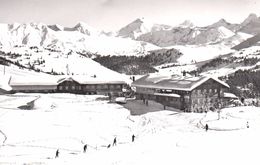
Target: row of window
204, 100
202, 91
73, 87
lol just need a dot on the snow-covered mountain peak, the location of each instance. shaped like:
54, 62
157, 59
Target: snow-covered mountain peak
221, 22
83, 28
139, 27
86, 29
250, 25
187, 24
251, 18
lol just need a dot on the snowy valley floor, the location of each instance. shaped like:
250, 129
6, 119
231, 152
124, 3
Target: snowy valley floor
67, 122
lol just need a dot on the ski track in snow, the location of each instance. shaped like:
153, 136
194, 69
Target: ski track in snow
120, 124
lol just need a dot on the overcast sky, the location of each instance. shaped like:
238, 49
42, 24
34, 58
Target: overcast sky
113, 14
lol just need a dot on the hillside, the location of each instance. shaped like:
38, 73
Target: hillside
139, 65
240, 69
253, 41
37, 62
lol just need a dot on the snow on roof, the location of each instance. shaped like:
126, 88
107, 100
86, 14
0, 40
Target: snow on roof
92, 80
187, 83
230, 95
167, 94
55, 80
98, 80
33, 80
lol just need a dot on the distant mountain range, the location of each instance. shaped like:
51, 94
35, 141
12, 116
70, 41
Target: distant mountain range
145, 44
188, 34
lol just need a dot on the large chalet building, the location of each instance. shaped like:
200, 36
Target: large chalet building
68, 84
187, 93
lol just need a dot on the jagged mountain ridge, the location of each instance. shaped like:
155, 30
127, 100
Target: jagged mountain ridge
80, 38
188, 34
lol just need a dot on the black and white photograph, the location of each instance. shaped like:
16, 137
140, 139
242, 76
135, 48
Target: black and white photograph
129, 82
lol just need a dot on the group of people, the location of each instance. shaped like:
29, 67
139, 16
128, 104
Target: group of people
207, 126
86, 146
115, 141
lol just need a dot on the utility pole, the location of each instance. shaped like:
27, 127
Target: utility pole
4, 69
67, 67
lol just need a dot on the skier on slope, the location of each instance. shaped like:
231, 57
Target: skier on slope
85, 148
133, 138
57, 153
114, 142
206, 127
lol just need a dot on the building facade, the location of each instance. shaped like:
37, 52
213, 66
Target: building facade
73, 85
69, 85
191, 94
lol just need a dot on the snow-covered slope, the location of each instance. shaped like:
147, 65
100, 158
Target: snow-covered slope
56, 62
230, 61
162, 137
194, 53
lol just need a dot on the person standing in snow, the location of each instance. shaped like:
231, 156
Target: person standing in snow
133, 138
85, 148
146, 103
206, 127
114, 142
247, 124
57, 153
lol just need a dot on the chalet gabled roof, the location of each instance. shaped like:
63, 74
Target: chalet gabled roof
66, 79
91, 80
185, 83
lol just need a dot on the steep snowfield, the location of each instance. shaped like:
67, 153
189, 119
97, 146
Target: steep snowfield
67, 122
225, 33
236, 39
198, 53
